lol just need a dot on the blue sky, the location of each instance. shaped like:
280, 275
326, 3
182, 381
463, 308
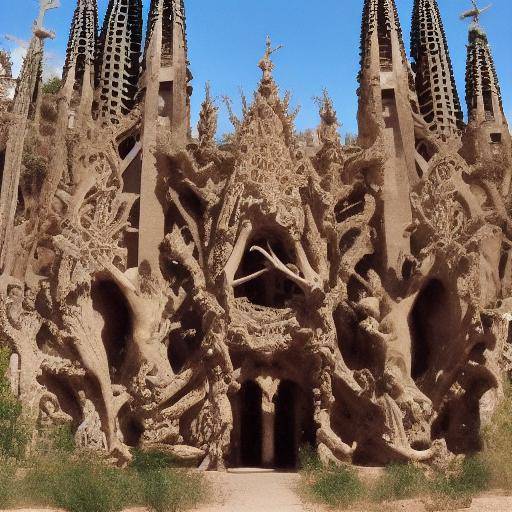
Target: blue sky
321, 47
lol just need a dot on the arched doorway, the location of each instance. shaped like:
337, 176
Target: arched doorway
251, 434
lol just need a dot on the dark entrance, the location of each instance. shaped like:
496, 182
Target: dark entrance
251, 425
286, 426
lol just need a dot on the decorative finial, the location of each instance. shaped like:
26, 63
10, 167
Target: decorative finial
266, 64
39, 30
475, 13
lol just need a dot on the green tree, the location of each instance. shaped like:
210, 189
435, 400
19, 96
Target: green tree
13, 434
52, 86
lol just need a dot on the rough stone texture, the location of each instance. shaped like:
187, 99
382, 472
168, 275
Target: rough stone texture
229, 302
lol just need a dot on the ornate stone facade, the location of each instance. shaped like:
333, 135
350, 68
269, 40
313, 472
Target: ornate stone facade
230, 302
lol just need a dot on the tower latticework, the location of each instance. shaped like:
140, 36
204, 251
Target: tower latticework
435, 84
119, 56
483, 95
81, 51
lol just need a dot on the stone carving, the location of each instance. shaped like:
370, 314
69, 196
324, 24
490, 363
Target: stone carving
228, 302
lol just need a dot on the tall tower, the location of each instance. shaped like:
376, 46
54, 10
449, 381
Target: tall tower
119, 56
438, 99
164, 87
166, 49
385, 112
79, 69
487, 138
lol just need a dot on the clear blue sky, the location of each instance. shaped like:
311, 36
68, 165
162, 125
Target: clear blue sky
321, 39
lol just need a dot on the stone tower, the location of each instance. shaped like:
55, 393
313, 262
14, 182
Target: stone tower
487, 138
385, 115
166, 49
438, 99
79, 68
119, 56
164, 86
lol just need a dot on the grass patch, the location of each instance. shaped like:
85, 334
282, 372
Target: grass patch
337, 487
498, 440
400, 481
470, 479
78, 485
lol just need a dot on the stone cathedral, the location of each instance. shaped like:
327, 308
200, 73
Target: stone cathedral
230, 302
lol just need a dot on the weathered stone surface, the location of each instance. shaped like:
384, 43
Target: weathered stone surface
227, 303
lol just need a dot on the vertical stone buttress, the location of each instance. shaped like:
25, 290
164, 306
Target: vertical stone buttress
438, 99
119, 58
164, 86
79, 69
385, 113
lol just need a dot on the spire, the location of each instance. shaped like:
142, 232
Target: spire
172, 14
82, 43
166, 55
380, 19
483, 95
386, 91
487, 141
435, 84
119, 55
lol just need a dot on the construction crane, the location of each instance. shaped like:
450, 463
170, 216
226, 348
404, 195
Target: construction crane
475, 13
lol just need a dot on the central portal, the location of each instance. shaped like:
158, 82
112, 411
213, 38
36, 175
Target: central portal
270, 426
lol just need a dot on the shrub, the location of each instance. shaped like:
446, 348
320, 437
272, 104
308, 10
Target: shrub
472, 478
13, 433
151, 460
84, 485
400, 481
309, 461
162, 488
52, 86
170, 490
498, 440
338, 487
8, 486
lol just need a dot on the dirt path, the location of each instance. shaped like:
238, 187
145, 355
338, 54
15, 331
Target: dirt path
255, 491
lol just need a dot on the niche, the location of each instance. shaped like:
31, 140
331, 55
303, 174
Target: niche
430, 321
271, 289
113, 313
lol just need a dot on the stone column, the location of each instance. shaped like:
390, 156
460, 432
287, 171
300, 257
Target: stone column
268, 422
268, 387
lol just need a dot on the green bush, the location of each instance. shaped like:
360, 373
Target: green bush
309, 461
84, 485
52, 86
151, 460
162, 488
498, 440
400, 481
472, 478
338, 487
170, 490
13, 433
8, 488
